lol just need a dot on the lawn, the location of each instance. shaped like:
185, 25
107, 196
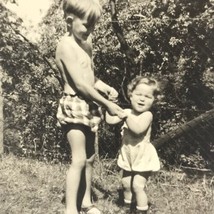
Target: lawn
31, 187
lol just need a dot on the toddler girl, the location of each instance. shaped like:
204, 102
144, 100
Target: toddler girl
137, 157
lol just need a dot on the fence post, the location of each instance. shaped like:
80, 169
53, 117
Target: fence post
1, 115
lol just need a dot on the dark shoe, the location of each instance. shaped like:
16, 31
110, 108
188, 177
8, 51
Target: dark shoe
63, 200
128, 209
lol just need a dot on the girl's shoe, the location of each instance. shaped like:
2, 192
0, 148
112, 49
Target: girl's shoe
141, 212
144, 211
127, 209
90, 210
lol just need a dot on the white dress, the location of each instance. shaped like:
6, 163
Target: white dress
137, 153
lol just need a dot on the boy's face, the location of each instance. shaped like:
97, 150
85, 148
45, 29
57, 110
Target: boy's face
81, 29
142, 98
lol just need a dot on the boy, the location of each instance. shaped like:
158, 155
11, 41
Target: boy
78, 112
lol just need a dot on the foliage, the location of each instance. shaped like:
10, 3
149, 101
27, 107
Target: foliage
171, 40
30, 92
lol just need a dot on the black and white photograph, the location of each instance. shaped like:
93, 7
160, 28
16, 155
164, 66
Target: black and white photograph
107, 106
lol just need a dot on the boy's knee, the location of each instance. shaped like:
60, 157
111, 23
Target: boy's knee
79, 163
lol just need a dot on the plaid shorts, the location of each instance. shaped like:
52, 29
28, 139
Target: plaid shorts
74, 109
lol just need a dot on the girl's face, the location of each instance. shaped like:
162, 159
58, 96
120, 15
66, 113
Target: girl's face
142, 98
81, 29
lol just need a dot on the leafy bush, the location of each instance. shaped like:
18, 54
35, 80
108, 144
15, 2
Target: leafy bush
170, 40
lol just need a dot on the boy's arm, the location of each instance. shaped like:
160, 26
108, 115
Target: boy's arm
68, 59
106, 89
101, 86
140, 124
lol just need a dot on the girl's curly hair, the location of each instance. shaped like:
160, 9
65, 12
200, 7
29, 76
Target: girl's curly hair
145, 80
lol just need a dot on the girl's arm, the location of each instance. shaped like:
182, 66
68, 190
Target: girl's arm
139, 124
114, 119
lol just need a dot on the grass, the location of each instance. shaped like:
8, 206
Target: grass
32, 187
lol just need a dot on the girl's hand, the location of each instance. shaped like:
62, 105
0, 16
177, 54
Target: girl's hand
114, 110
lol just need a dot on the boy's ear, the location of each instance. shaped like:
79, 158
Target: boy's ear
69, 20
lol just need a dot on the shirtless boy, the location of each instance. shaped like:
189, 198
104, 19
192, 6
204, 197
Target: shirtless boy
79, 109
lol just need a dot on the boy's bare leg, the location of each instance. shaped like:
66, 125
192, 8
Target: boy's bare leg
77, 140
89, 168
88, 179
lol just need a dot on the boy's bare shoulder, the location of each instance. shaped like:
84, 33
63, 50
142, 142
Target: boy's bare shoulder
64, 43
65, 47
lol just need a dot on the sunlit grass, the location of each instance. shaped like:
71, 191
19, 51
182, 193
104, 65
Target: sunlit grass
29, 186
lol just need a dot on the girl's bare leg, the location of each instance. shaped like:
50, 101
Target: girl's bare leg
127, 187
139, 184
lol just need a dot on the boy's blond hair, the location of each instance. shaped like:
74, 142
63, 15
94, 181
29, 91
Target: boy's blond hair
83, 8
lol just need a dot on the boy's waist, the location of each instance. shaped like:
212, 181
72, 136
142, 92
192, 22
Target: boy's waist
73, 95
77, 96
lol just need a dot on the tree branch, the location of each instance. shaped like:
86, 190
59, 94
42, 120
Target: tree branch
184, 129
119, 33
54, 73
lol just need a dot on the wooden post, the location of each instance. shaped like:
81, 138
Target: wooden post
207, 117
1, 115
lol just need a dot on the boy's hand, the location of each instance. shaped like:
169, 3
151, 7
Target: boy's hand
106, 89
112, 95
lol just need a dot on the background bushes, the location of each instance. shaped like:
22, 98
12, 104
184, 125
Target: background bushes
170, 40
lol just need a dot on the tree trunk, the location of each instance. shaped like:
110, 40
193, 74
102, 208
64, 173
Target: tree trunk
189, 127
119, 33
1, 116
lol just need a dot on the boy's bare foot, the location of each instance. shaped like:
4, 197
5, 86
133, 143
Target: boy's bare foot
91, 210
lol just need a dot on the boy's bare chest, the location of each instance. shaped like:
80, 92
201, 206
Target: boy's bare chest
85, 64
84, 61
84, 57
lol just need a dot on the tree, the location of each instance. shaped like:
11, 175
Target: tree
30, 89
171, 40
1, 116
